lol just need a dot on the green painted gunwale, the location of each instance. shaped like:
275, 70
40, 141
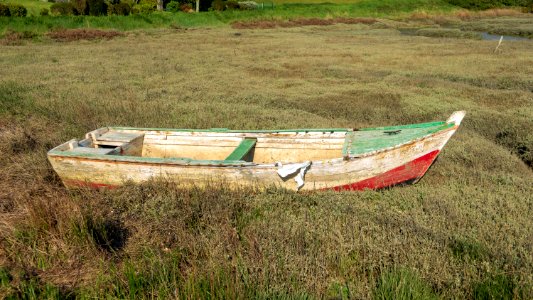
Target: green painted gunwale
362, 142
376, 140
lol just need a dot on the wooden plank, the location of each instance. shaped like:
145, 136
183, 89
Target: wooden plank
361, 142
242, 150
114, 136
97, 151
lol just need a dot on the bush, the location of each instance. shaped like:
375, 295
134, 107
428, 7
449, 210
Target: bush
63, 9
186, 7
121, 9
4, 11
44, 12
143, 9
17, 10
218, 5
97, 7
80, 6
248, 5
173, 6
232, 4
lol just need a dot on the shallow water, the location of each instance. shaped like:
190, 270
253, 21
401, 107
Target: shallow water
484, 35
496, 37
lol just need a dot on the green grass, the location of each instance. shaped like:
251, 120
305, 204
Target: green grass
499, 286
370, 8
462, 232
468, 249
402, 284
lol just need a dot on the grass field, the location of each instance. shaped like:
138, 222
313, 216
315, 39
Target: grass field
281, 11
464, 231
33, 6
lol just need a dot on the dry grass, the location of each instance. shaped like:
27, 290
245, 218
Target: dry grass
13, 38
69, 35
451, 18
464, 231
468, 14
489, 13
264, 24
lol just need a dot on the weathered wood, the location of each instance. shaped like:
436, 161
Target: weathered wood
379, 164
115, 136
95, 151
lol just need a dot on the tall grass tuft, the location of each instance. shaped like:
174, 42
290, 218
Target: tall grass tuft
402, 283
501, 286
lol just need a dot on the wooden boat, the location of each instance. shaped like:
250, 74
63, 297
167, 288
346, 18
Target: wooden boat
306, 159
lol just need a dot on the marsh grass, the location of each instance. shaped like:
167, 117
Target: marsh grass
402, 284
447, 33
499, 286
452, 235
511, 26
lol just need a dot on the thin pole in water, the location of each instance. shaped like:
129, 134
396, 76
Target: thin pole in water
499, 43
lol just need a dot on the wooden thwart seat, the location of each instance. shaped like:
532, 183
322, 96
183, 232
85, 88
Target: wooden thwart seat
130, 143
114, 138
243, 149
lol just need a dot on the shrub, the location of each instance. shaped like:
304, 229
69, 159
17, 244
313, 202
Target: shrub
121, 9
248, 5
44, 12
218, 5
186, 7
232, 4
146, 6
97, 7
151, 3
17, 10
63, 9
4, 11
173, 6
143, 9
80, 6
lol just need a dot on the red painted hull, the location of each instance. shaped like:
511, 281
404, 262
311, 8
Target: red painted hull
411, 171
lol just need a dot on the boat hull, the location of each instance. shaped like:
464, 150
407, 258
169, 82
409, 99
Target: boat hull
403, 163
